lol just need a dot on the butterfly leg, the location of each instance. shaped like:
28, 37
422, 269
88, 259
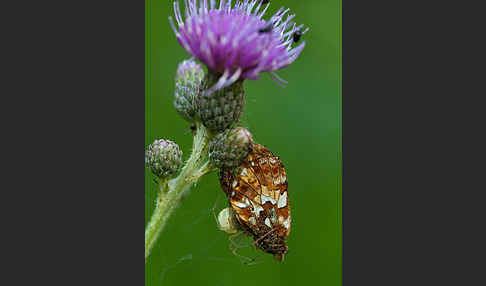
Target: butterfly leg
235, 245
213, 209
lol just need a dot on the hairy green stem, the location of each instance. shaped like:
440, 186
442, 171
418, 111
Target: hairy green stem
170, 193
205, 169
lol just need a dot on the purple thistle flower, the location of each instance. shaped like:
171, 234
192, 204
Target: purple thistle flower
234, 42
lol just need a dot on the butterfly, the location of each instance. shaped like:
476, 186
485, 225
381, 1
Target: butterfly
258, 197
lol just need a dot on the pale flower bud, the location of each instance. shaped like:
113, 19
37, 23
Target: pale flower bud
163, 158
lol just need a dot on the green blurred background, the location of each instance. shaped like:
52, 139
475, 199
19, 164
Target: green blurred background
300, 123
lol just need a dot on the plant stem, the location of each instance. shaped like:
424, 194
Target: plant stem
171, 192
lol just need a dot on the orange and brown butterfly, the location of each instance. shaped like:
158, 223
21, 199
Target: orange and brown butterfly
257, 195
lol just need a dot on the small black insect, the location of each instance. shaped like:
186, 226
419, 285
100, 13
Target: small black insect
266, 29
297, 34
265, 1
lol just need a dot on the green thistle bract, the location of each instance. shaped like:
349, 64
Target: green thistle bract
221, 108
163, 158
188, 84
229, 148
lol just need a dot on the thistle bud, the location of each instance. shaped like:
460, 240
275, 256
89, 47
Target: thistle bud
188, 83
227, 222
229, 148
220, 108
163, 158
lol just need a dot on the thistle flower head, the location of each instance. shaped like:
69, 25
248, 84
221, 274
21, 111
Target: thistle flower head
230, 147
189, 70
188, 80
164, 158
233, 41
220, 109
